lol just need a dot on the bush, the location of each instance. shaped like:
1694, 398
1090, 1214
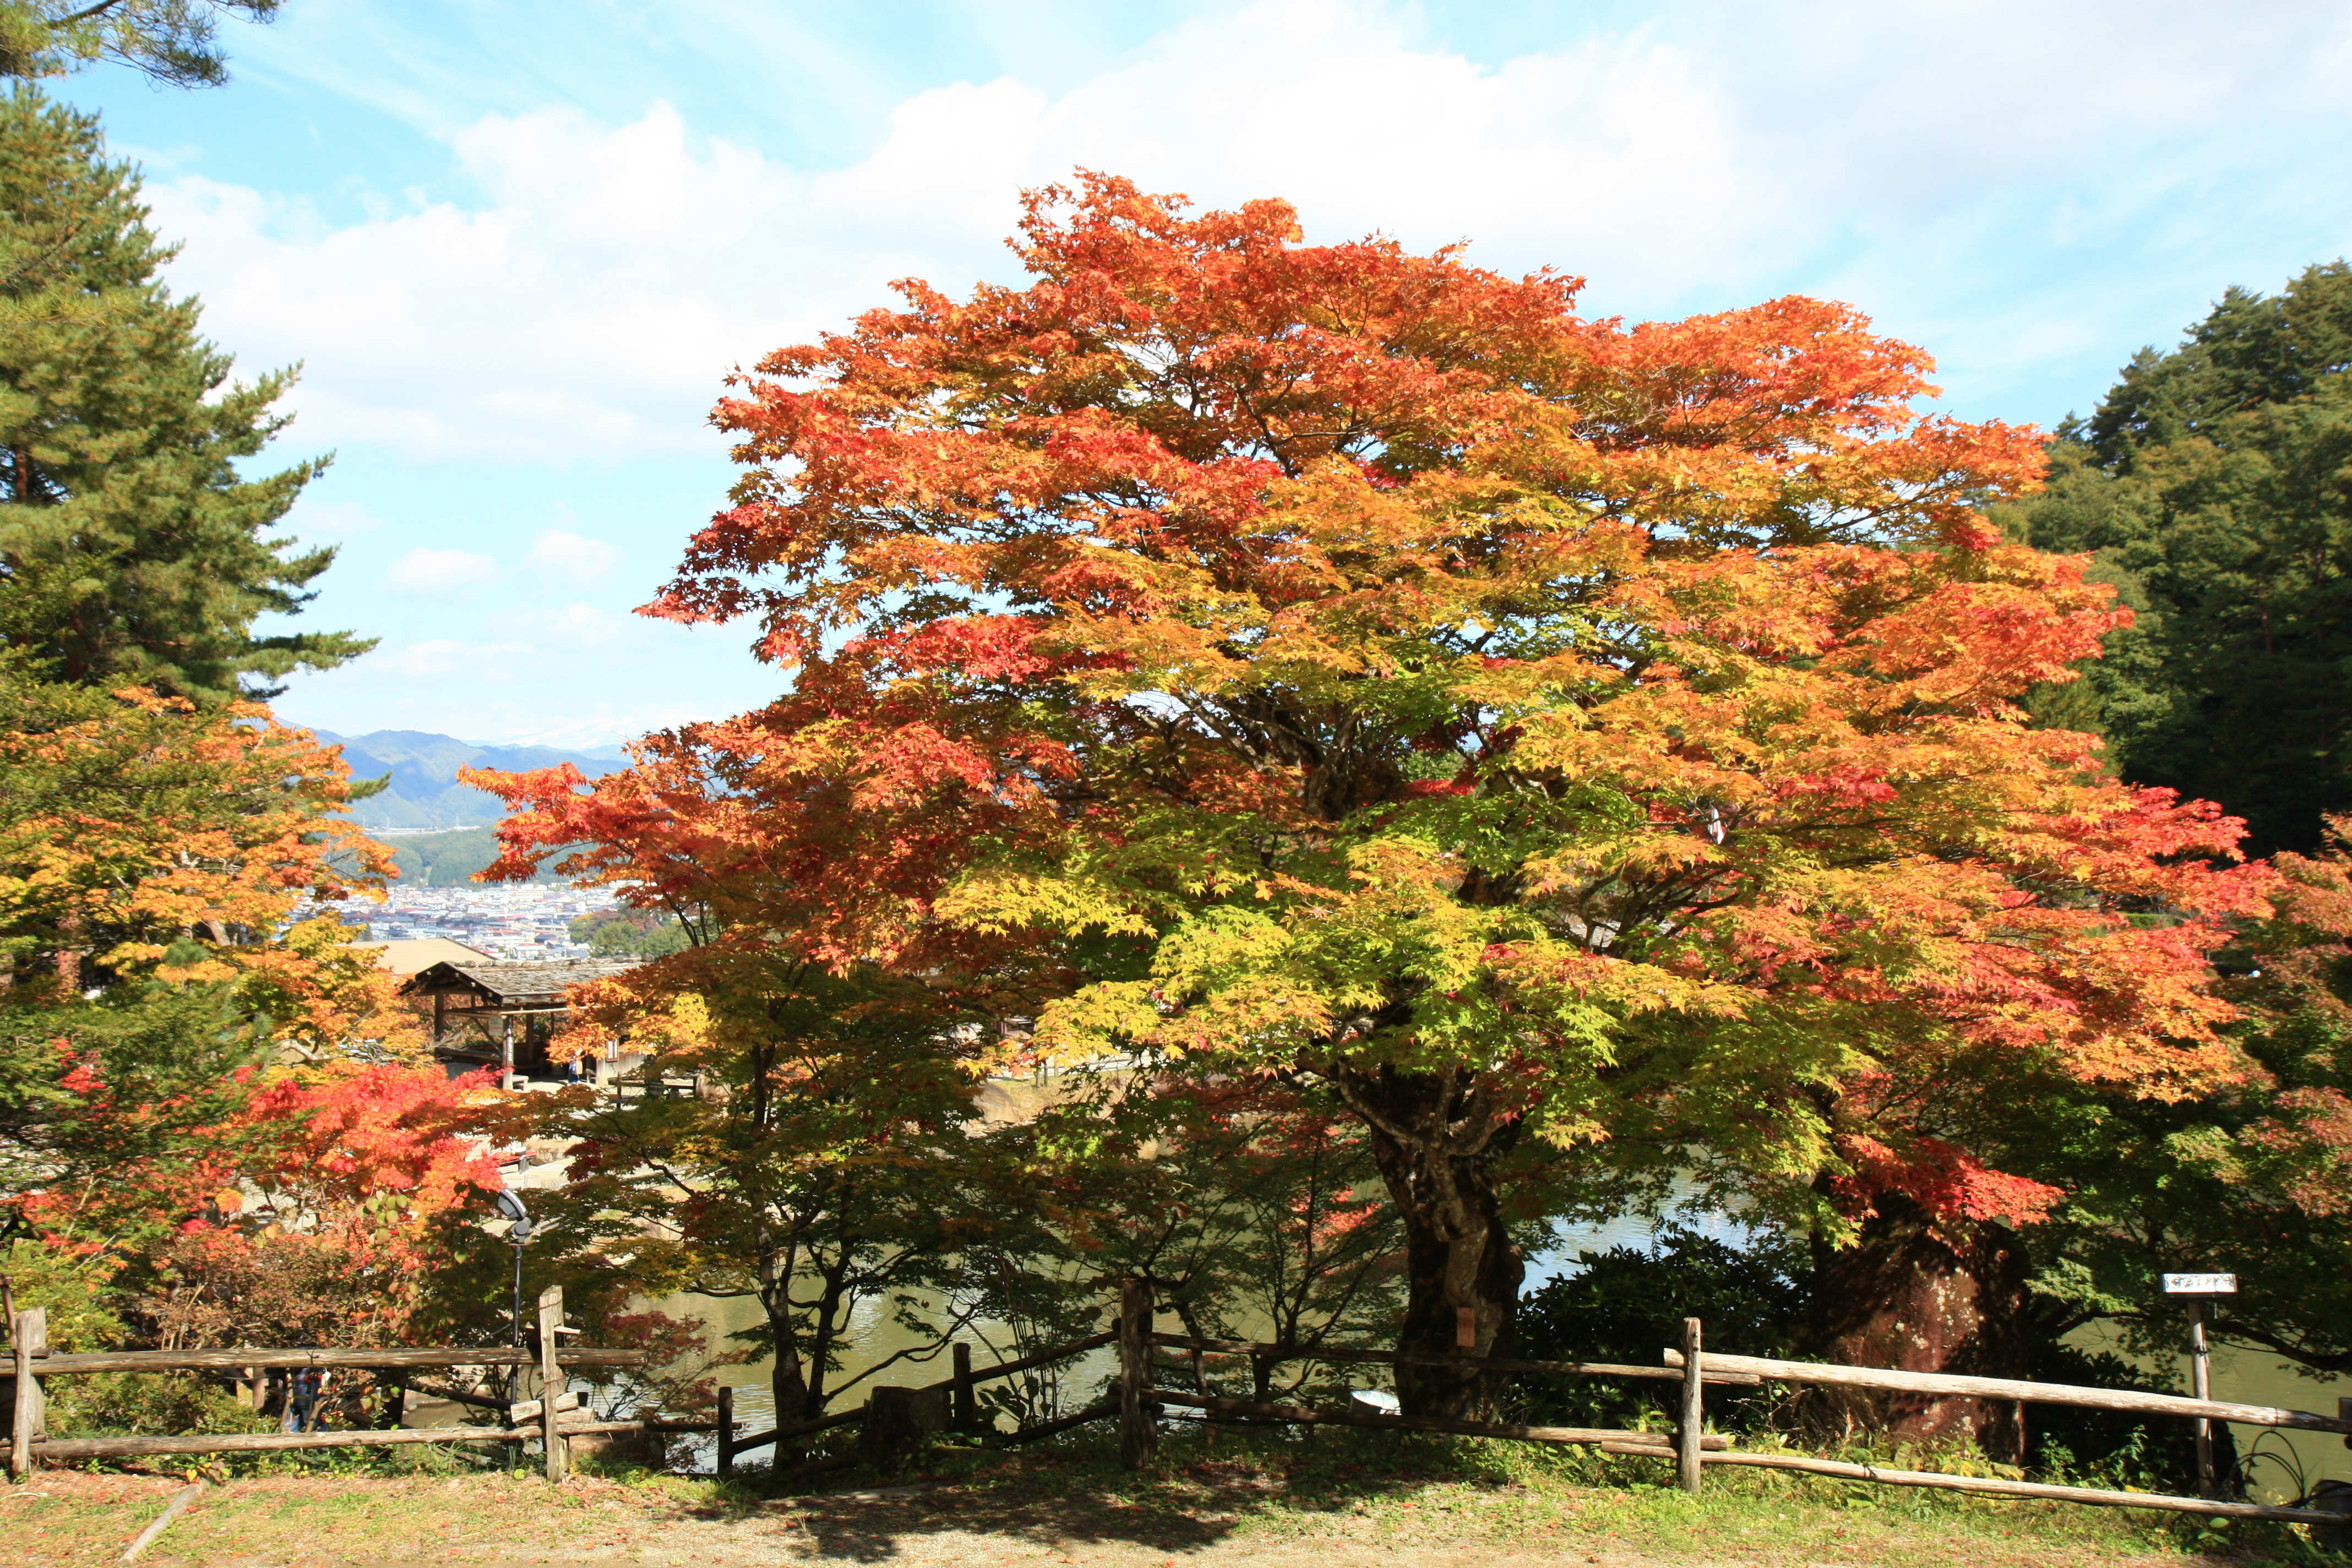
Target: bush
1627, 1305
2112, 1446
83, 1297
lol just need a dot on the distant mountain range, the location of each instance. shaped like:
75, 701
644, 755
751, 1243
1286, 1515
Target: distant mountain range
425, 792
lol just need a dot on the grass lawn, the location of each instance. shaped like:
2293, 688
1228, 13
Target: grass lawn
1225, 1500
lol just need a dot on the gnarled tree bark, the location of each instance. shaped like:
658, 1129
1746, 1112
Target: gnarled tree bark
1436, 1136
1914, 1297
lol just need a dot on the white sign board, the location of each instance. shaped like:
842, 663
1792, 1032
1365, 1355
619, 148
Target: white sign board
2201, 1284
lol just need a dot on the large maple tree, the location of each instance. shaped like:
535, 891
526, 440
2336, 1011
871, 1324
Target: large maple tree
1342, 664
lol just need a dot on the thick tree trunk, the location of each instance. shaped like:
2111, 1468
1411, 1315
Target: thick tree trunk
786, 1382
1434, 1136
1906, 1297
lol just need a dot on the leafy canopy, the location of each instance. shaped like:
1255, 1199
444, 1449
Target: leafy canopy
1340, 663
822, 1169
2255, 1179
153, 858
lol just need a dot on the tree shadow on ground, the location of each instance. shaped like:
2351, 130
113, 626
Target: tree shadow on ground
1076, 1496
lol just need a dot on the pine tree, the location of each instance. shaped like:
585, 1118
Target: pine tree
173, 41
2215, 484
131, 551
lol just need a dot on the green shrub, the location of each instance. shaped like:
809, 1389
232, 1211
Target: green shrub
1627, 1305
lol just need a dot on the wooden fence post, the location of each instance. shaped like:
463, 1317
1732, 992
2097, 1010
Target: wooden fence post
725, 1430
899, 1423
2200, 1387
967, 1397
550, 1384
1694, 1411
1138, 1427
32, 1336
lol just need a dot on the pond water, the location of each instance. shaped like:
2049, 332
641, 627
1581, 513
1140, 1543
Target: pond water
876, 1336
2283, 1463
2289, 1462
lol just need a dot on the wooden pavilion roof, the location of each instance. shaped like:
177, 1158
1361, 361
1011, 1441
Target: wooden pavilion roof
512, 984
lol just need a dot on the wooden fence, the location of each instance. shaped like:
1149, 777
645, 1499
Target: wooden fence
1693, 1370
897, 1419
553, 1419
1949, 1386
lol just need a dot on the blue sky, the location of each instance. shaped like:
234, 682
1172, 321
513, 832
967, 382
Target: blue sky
517, 243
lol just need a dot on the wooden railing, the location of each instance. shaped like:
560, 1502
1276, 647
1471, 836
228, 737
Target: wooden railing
1952, 1385
553, 1419
1694, 1370
1949, 1385
902, 1416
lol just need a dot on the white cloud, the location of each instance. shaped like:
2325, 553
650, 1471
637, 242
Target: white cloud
606, 725
1928, 161
574, 556
441, 656
580, 623
422, 571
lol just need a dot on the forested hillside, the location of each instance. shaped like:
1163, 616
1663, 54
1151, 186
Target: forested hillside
446, 859
424, 790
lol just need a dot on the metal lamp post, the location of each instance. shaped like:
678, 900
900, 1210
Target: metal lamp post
518, 1233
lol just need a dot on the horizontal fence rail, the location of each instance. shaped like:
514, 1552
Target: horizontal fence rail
1339, 1356
1062, 1423
300, 1360
557, 1412
63, 1448
1660, 1443
798, 1429
1953, 1384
